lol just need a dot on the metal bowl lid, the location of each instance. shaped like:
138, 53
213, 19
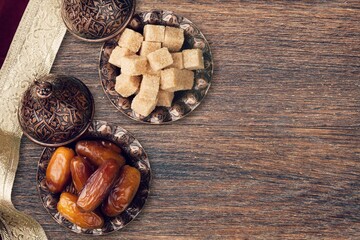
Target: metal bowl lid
56, 110
97, 20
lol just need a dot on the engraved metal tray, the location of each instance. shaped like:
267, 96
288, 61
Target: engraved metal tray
184, 101
135, 156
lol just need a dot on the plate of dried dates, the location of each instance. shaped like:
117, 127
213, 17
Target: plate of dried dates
96, 185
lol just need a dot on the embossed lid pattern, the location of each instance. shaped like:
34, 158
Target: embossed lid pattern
96, 20
56, 110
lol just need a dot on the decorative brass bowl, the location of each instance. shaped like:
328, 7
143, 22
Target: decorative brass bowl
56, 110
96, 20
135, 156
184, 101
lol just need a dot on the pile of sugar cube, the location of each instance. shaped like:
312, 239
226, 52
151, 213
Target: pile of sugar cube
158, 70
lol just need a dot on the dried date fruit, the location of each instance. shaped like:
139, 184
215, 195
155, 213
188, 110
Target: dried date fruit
67, 208
58, 170
123, 192
97, 153
98, 186
81, 170
111, 146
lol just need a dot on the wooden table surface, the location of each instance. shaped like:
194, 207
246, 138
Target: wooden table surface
273, 150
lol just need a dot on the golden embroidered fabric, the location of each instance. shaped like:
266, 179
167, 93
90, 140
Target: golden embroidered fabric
31, 54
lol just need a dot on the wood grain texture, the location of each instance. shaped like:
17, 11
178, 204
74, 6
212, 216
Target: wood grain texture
272, 152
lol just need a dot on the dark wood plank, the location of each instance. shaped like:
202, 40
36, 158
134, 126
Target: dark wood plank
271, 153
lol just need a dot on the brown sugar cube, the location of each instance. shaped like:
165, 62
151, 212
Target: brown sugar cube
165, 98
134, 65
117, 54
193, 59
149, 87
143, 106
153, 72
127, 85
160, 59
131, 40
174, 38
178, 60
154, 33
174, 79
149, 47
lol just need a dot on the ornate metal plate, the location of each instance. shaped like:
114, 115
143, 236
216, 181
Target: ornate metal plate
135, 156
184, 101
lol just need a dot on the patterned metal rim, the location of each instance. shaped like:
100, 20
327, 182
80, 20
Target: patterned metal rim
184, 101
135, 156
